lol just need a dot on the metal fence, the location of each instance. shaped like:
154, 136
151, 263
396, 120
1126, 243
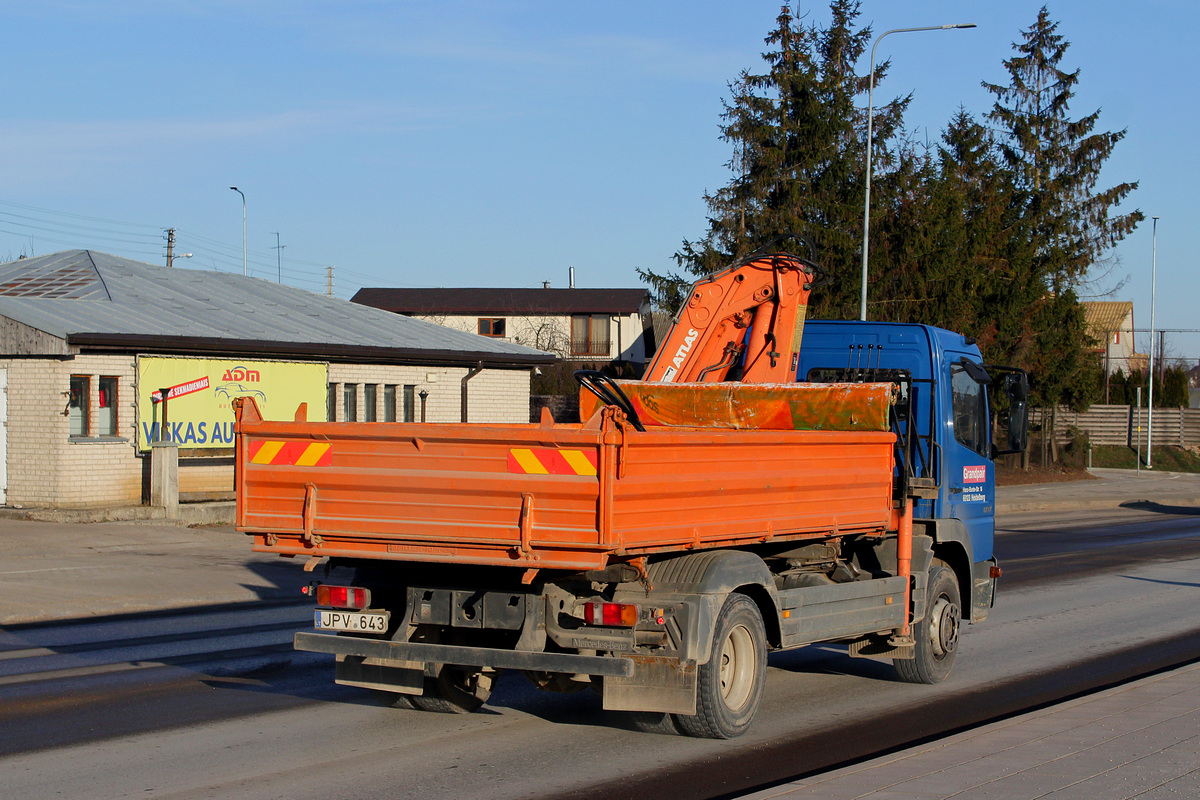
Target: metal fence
1124, 425
591, 348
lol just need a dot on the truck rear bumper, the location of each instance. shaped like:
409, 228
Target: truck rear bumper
464, 656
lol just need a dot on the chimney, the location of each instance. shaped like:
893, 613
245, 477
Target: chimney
545, 284
572, 278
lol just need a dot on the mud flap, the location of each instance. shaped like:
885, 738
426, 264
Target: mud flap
664, 685
983, 593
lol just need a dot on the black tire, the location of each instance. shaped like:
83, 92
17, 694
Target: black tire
730, 685
455, 690
937, 633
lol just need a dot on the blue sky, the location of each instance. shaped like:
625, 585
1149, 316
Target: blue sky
500, 143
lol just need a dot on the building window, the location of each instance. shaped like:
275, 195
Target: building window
106, 416
590, 336
389, 402
369, 394
491, 326
410, 403
331, 402
350, 401
79, 406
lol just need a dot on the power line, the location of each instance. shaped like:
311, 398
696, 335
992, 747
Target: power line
47, 226
78, 216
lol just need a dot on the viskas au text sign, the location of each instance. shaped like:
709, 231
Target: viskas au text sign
200, 392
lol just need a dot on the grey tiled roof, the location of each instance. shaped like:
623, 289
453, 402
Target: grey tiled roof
86, 296
504, 301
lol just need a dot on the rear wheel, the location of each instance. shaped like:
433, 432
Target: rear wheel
454, 690
937, 633
730, 685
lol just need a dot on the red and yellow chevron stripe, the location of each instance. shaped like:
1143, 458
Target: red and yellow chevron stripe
299, 454
548, 461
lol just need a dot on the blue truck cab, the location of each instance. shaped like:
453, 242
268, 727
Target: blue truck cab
945, 453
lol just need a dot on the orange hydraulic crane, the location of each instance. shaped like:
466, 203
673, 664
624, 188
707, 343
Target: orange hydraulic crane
750, 314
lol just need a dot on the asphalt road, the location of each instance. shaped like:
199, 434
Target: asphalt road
213, 703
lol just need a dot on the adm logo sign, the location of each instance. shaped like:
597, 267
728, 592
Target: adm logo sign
237, 382
242, 374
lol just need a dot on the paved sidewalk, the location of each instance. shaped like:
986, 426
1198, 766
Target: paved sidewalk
1112, 488
1139, 740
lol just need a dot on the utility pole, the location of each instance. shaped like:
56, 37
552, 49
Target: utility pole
329, 281
1150, 401
170, 246
1162, 357
279, 256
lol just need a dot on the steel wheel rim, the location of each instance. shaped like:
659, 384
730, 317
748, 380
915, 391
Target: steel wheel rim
738, 664
943, 627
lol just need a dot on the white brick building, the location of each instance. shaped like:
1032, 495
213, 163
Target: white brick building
78, 328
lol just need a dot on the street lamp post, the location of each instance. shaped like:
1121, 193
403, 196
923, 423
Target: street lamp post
243, 194
862, 312
1150, 402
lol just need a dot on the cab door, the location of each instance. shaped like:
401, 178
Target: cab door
970, 476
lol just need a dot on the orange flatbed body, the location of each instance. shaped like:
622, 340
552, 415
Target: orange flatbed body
550, 496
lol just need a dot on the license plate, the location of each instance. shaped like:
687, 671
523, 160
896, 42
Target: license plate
364, 622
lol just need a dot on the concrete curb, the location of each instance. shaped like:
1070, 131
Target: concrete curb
188, 514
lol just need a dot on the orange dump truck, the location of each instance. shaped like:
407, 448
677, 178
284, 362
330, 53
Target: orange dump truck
589, 554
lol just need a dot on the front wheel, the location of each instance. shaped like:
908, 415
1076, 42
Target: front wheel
730, 685
937, 633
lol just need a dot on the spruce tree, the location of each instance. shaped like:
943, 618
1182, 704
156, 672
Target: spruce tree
1057, 162
1175, 389
1058, 159
798, 157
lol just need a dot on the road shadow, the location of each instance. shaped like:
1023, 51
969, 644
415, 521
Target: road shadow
512, 691
1164, 583
1161, 508
830, 659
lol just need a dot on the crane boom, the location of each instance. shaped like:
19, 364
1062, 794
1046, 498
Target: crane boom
748, 315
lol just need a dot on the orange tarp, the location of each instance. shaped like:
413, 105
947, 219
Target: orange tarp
756, 406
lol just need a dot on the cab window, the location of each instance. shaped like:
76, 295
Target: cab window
970, 411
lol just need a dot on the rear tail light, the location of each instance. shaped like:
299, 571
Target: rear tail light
611, 615
352, 597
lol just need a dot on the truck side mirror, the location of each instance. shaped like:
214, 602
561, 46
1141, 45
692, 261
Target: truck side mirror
1016, 387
